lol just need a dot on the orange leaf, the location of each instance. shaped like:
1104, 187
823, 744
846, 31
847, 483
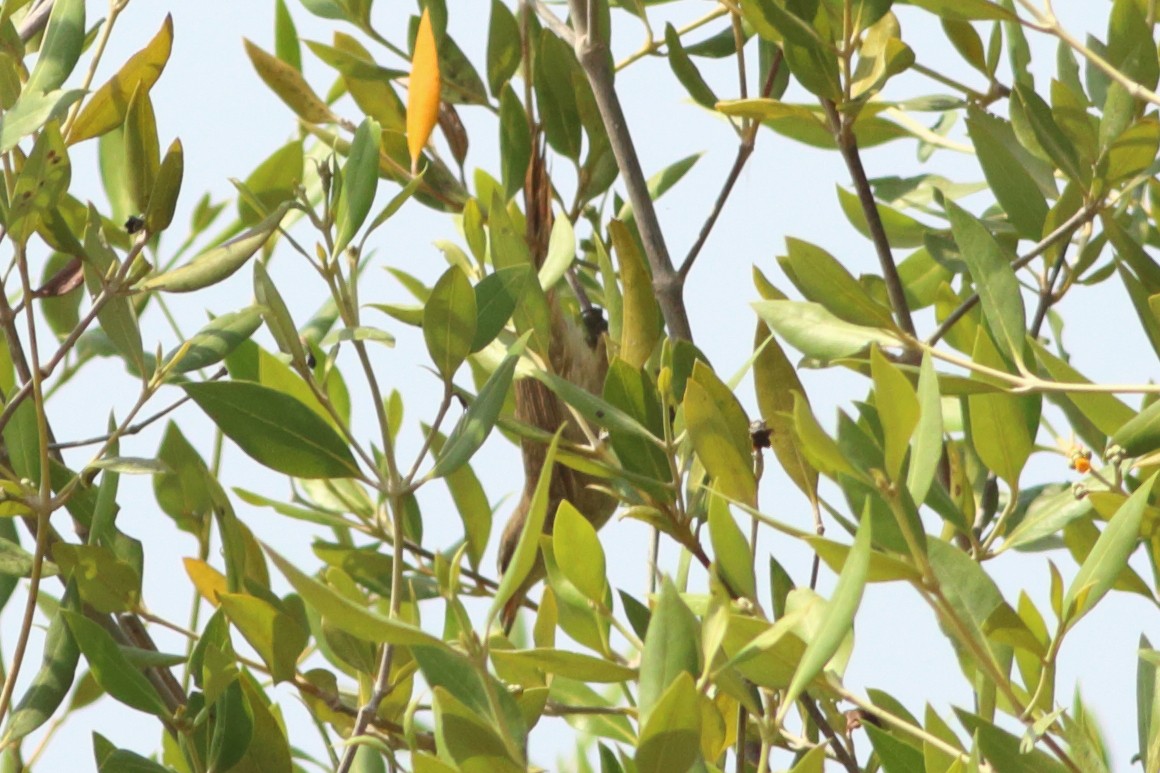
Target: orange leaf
208, 581
423, 91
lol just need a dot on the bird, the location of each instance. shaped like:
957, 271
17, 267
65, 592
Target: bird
577, 352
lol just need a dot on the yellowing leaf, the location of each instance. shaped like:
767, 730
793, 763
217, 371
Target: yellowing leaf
289, 85
106, 108
208, 581
423, 91
641, 324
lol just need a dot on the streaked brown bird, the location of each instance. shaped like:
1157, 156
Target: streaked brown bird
576, 353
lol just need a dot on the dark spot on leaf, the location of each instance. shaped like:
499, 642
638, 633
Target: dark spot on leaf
134, 224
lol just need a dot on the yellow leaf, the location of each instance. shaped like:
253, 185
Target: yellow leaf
106, 108
208, 581
423, 91
640, 328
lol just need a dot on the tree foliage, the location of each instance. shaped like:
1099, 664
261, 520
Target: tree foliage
737, 664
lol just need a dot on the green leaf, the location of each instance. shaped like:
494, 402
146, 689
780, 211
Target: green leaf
464, 736
720, 434
632, 391
50, 685
732, 555
994, 281
901, 230
272, 182
503, 47
572, 665
670, 648
898, 410
661, 182
166, 188
40, 185
217, 263
1005, 751
670, 737
1108, 556
515, 141
275, 429
233, 727
449, 321
965, 10
969, 590
579, 554
476, 423
286, 43
1013, 175
142, 149
838, 619
1147, 706
276, 636
31, 112
1140, 434
893, 753
523, 557
594, 409
344, 614
105, 582
823, 280
360, 180
218, 338
1049, 135
470, 501
927, 444
113, 760
118, 317
1103, 409
820, 450
61, 47
815, 332
807, 125
998, 422
276, 315
686, 71
775, 381
113, 672
553, 65
561, 253
496, 296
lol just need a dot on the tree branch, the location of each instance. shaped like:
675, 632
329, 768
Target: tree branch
593, 56
848, 147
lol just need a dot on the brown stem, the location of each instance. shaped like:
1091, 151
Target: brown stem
842, 754
668, 286
842, 129
1047, 295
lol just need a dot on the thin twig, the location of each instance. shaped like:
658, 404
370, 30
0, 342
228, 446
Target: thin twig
136, 428
1064, 231
744, 151
35, 20
1047, 294
848, 147
841, 753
